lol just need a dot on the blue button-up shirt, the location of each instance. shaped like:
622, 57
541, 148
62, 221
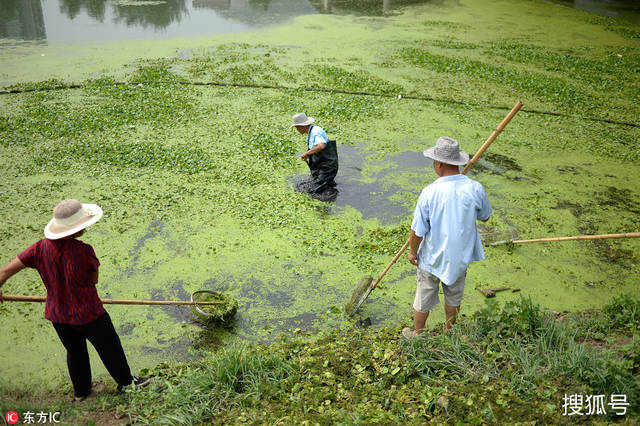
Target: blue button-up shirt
316, 135
445, 217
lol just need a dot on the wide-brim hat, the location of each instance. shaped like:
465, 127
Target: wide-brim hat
71, 216
301, 119
447, 151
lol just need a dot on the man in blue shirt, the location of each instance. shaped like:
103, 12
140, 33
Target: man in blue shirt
444, 239
321, 156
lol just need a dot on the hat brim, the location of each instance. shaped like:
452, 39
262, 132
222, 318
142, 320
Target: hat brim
310, 120
93, 214
463, 157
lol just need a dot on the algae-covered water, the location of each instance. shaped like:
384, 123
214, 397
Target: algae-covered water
195, 180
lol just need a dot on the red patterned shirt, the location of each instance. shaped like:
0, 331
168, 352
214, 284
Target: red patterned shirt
65, 267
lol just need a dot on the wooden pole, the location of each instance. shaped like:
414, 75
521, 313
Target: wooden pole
494, 135
15, 298
581, 237
482, 149
394, 260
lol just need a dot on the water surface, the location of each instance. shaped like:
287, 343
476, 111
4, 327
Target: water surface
85, 21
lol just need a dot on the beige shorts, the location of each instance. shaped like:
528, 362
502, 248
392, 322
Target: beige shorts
427, 291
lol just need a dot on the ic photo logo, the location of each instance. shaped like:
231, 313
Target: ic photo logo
12, 417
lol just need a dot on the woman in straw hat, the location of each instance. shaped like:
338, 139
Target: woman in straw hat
321, 156
69, 270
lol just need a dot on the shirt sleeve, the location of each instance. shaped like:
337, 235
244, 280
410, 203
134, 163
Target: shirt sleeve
29, 256
421, 225
484, 210
91, 258
316, 140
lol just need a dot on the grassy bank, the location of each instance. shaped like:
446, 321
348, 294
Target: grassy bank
505, 363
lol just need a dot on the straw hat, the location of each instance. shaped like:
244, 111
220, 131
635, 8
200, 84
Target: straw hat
71, 216
301, 119
447, 151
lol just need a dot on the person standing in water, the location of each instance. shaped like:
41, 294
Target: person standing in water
69, 270
321, 155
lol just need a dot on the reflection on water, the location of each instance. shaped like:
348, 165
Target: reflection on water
364, 7
93, 8
160, 15
628, 10
102, 20
76, 21
22, 20
255, 13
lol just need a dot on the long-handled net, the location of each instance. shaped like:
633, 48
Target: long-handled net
208, 306
213, 307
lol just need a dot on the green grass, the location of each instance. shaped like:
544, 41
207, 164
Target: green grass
503, 362
200, 392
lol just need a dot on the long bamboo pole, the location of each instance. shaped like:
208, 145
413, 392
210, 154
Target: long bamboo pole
394, 260
482, 149
580, 237
493, 135
16, 298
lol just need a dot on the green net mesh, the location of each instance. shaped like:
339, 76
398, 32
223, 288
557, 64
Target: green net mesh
221, 312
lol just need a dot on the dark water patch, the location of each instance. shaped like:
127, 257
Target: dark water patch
619, 198
153, 230
178, 348
217, 284
364, 323
606, 250
372, 198
175, 291
487, 167
179, 247
395, 280
304, 185
595, 284
305, 321
571, 170
153, 350
271, 328
502, 161
258, 291
616, 255
497, 164
369, 319
576, 209
126, 329
412, 160
372, 195
377, 308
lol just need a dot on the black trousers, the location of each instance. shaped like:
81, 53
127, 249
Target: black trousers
104, 338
